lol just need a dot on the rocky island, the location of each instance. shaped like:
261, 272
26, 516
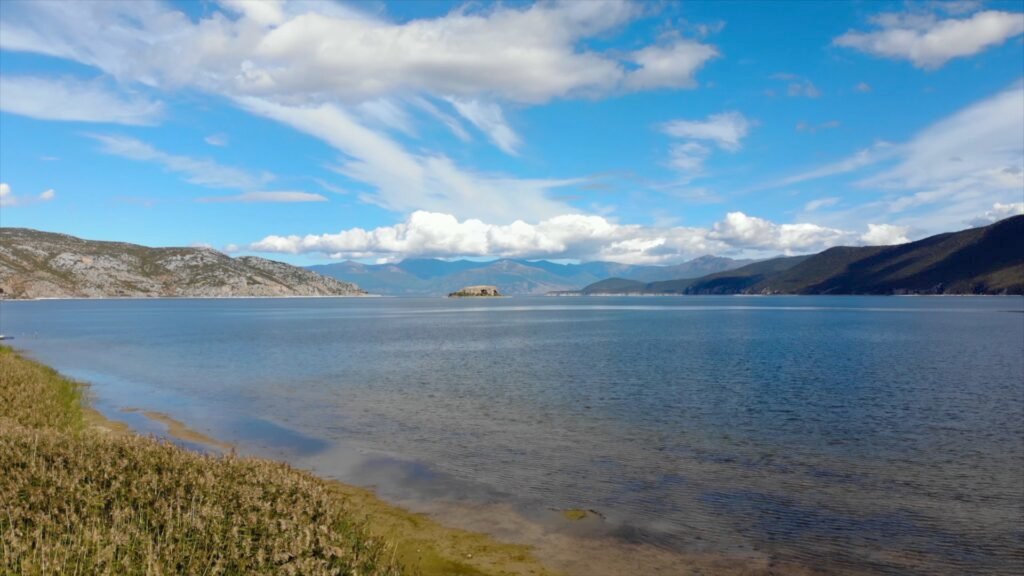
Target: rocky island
482, 291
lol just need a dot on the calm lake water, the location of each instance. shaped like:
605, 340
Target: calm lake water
878, 434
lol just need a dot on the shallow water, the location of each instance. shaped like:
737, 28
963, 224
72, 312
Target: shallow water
875, 434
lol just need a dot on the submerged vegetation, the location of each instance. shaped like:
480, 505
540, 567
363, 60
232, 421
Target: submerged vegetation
76, 500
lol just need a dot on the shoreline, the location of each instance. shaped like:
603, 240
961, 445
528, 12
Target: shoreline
439, 537
421, 544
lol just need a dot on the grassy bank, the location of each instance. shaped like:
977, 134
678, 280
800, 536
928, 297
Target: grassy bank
78, 498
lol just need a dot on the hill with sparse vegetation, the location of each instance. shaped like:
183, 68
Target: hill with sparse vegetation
35, 264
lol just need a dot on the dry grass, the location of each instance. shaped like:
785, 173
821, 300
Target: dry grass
76, 501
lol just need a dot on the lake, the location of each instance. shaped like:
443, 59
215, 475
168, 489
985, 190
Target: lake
880, 435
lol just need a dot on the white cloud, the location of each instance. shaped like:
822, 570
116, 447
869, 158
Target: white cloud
885, 235
727, 129
803, 126
362, 72
200, 171
310, 52
998, 212
740, 230
878, 152
954, 169
448, 120
489, 118
574, 236
386, 112
862, 87
803, 88
403, 181
219, 139
70, 99
929, 42
797, 85
821, 203
7, 197
280, 196
983, 141
688, 156
671, 66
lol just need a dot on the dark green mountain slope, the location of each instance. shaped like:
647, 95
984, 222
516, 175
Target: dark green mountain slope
986, 260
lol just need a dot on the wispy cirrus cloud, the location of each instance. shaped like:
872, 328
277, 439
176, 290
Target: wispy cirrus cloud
200, 171
947, 176
75, 100
281, 196
489, 118
403, 181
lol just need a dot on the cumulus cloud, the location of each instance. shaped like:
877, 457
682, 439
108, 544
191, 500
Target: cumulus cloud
70, 99
928, 41
278, 196
7, 197
998, 212
574, 236
885, 235
200, 171
740, 230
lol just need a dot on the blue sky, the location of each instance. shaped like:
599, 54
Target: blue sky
641, 133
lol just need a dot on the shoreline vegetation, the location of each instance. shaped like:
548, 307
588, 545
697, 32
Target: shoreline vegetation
86, 495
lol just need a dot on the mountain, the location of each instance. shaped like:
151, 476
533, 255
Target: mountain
986, 260
36, 264
428, 276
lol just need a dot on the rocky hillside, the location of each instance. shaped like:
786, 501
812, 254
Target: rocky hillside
36, 264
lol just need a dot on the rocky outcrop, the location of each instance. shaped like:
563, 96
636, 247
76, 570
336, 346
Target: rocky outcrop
36, 264
475, 292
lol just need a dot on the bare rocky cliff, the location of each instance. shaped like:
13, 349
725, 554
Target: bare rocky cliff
35, 264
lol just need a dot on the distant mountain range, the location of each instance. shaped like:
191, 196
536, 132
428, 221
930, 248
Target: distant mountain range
986, 260
428, 276
36, 264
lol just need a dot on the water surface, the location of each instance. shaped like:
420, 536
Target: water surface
873, 434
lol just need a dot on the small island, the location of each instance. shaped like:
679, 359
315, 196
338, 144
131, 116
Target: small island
475, 292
